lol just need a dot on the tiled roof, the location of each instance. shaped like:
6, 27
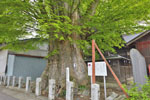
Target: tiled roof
128, 38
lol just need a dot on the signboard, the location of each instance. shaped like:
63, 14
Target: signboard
100, 69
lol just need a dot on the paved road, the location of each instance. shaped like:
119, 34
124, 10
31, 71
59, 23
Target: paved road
6, 97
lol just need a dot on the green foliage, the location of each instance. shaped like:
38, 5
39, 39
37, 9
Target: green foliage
63, 93
116, 17
54, 52
82, 87
136, 94
54, 20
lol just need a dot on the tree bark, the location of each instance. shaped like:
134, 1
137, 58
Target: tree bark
69, 55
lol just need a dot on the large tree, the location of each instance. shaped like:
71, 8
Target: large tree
69, 26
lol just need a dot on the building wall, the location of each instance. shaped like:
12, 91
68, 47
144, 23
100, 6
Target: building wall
143, 45
123, 71
3, 61
28, 66
10, 67
42, 51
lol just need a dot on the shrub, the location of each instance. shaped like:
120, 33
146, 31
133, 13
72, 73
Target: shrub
136, 94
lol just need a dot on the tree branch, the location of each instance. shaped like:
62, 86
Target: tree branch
75, 8
92, 8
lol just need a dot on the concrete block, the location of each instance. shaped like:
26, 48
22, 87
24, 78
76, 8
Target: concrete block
13, 81
28, 84
38, 87
20, 82
5, 79
67, 75
69, 90
121, 97
8, 81
112, 96
95, 92
52, 85
1, 79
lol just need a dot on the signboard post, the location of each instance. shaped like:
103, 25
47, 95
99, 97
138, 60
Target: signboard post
105, 87
100, 70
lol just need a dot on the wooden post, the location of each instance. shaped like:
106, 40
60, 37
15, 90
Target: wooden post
93, 61
109, 67
149, 69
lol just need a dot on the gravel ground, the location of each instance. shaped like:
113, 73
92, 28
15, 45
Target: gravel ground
4, 96
19, 94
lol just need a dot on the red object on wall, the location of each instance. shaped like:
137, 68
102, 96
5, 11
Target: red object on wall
149, 69
144, 48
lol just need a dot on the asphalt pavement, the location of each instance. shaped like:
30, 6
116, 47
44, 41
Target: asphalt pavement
6, 97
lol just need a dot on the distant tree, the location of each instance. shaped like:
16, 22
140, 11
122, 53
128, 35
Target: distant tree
69, 26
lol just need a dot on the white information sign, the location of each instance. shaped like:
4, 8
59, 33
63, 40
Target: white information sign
100, 69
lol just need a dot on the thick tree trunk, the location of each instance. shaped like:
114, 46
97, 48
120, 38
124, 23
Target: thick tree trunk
69, 55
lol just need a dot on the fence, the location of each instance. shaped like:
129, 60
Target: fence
17, 82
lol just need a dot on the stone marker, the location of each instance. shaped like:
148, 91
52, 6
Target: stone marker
38, 87
52, 85
121, 97
95, 92
13, 81
67, 75
139, 67
20, 82
8, 81
69, 90
28, 83
5, 79
1, 78
112, 96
